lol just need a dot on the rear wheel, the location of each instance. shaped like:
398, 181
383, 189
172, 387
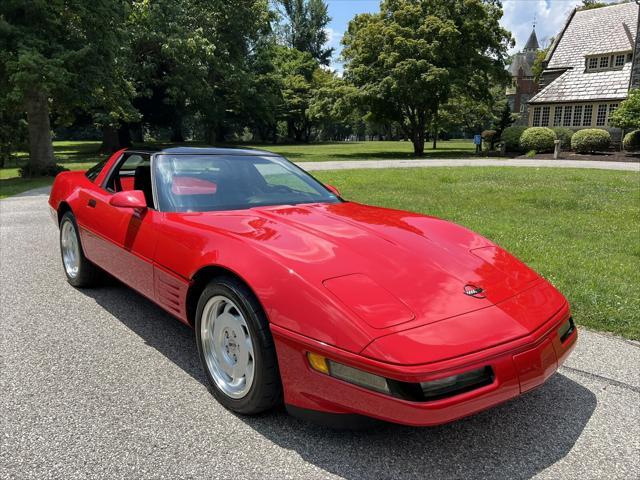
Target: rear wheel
236, 348
80, 272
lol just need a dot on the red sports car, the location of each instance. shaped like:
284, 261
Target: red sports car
340, 310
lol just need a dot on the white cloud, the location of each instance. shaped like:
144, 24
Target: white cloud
333, 41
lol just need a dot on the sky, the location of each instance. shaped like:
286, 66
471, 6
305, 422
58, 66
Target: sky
550, 16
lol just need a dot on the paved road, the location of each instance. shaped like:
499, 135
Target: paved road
469, 162
102, 384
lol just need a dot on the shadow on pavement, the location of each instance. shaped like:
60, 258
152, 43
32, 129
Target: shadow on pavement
515, 440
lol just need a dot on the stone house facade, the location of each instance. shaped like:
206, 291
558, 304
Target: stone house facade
588, 70
523, 84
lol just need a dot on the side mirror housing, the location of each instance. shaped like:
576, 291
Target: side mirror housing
129, 199
333, 189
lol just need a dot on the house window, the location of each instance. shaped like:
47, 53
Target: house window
629, 57
588, 115
557, 117
601, 117
612, 108
536, 117
567, 116
619, 60
577, 115
545, 116
593, 63
604, 62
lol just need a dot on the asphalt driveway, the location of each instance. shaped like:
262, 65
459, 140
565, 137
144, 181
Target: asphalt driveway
102, 384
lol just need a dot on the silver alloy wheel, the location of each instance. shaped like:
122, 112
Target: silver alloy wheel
227, 346
70, 248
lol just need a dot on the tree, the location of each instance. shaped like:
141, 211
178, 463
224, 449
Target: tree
306, 28
296, 70
59, 56
591, 4
627, 115
332, 109
407, 59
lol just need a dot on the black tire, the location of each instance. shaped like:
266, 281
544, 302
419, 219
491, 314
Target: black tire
87, 274
266, 389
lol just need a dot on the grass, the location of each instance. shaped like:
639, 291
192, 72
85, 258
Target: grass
580, 229
80, 155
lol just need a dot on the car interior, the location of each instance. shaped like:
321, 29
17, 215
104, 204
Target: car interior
133, 173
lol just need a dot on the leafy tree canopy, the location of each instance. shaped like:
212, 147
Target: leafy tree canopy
306, 28
627, 115
408, 58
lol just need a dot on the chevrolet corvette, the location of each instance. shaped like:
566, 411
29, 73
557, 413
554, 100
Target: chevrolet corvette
339, 310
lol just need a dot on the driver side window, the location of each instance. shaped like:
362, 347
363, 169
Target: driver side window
132, 173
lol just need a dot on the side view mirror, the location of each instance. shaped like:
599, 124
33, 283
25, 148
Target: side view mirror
333, 189
129, 199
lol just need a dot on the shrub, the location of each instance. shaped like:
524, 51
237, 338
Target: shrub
564, 135
511, 138
540, 139
531, 154
631, 141
48, 171
590, 140
488, 137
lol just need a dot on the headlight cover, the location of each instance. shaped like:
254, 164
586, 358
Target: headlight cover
416, 392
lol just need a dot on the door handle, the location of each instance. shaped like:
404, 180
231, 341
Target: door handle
92, 203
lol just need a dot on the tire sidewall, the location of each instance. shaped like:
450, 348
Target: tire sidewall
256, 322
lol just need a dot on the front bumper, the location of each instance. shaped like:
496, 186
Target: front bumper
518, 367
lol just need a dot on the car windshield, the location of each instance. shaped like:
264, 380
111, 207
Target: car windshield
203, 183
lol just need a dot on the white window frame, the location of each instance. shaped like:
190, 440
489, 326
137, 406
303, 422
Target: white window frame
546, 112
568, 116
601, 115
536, 117
557, 116
587, 108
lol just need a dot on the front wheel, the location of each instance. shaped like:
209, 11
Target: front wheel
236, 348
80, 272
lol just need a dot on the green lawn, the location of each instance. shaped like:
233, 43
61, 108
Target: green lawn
80, 155
579, 228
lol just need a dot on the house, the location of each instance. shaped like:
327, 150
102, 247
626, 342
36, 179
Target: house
523, 85
588, 69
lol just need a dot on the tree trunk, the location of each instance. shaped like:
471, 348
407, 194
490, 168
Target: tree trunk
137, 132
124, 136
435, 131
418, 144
110, 139
41, 159
176, 129
211, 135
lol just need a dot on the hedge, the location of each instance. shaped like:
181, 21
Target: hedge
590, 140
564, 135
540, 139
631, 141
511, 138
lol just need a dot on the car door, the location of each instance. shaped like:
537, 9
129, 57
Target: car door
122, 241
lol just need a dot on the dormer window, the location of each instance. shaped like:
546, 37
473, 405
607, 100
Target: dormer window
609, 61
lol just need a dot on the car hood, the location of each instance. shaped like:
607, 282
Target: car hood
392, 269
